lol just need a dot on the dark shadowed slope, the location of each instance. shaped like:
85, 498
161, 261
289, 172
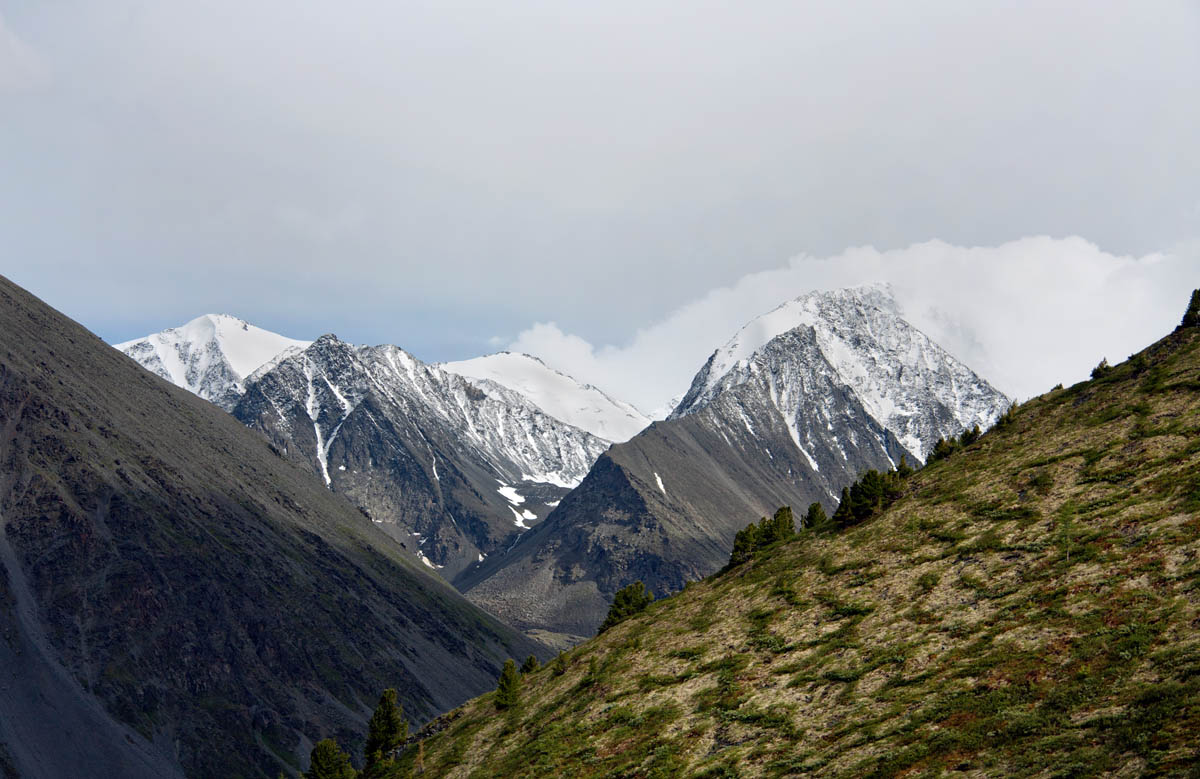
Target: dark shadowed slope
174, 594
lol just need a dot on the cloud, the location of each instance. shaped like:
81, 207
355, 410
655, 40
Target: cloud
1025, 314
431, 173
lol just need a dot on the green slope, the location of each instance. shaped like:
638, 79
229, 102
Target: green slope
174, 595
1031, 606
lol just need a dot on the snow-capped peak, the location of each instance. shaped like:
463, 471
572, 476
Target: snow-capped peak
556, 394
810, 309
905, 381
212, 355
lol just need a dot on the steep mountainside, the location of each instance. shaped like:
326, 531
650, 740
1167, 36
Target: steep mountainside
455, 468
1029, 607
792, 418
560, 396
177, 598
211, 355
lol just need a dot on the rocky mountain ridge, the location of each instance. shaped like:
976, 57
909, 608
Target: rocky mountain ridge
795, 407
453, 467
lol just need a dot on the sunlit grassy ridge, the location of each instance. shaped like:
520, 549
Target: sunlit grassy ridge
1031, 606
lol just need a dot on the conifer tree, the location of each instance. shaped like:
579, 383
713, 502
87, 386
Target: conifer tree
628, 600
744, 544
560, 664
385, 733
751, 538
1008, 416
942, 449
841, 515
1191, 317
871, 494
508, 691
530, 665
815, 518
328, 761
781, 527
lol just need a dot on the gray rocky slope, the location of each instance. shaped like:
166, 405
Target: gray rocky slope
455, 468
797, 405
178, 599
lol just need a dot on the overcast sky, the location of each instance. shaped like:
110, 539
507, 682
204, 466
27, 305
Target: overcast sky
448, 175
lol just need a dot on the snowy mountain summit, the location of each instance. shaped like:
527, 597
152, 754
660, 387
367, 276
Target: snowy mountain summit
854, 341
457, 467
212, 355
556, 393
454, 461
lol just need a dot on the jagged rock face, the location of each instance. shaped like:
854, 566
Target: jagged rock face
453, 467
211, 355
795, 407
853, 339
178, 600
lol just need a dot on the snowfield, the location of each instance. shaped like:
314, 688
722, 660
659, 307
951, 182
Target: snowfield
557, 394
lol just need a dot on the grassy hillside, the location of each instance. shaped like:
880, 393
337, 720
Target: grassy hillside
1031, 606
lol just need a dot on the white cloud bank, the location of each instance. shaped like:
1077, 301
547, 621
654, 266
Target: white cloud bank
1025, 315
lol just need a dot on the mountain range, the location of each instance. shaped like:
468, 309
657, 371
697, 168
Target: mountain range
794, 407
206, 582
461, 462
453, 467
454, 461
176, 597
1026, 606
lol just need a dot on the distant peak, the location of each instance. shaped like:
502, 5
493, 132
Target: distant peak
863, 314
556, 393
211, 354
